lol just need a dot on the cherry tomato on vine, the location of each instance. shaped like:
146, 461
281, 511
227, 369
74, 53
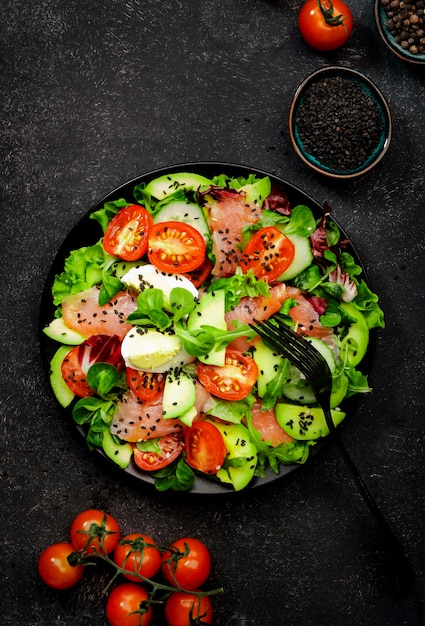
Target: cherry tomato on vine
186, 563
176, 247
124, 606
234, 380
137, 552
205, 448
169, 448
94, 531
54, 568
268, 254
184, 609
325, 24
146, 386
126, 235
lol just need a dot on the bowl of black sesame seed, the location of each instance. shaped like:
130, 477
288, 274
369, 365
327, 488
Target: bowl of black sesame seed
339, 123
401, 27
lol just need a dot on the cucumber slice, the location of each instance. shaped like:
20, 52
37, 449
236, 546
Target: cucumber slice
186, 212
356, 341
302, 258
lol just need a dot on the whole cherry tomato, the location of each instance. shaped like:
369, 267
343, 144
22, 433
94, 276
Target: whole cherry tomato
183, 609
138, 553
94, 531
325, 24
125, 606
187, 563
54, 568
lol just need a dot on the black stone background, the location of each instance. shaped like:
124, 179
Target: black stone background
96, 93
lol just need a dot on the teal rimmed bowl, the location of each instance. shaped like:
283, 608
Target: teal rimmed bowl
326, 124
388, 37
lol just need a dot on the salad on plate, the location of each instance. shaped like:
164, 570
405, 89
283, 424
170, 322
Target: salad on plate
156, 354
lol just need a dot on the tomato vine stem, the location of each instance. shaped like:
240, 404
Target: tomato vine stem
327, 9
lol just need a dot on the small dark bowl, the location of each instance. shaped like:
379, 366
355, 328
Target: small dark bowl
388, 39
328, 158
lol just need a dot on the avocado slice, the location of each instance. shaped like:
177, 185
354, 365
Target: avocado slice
210, 311
239, 445
58, 331
179, 395
119, 453
169, 183
303, 422
63, 393
257, 192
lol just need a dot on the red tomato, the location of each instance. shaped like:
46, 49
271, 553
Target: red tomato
147, 386
325, 24
94, 531
268, 253
54, 569
184, 609
186, 563
234, 381
95, 349
176, 247
124, 606
169, 448
137, 553
200, 275
126, 235
205, 449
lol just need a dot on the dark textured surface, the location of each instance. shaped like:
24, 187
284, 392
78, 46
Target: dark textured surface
95, 93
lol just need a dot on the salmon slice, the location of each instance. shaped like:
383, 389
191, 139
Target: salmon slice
228, 215
82, 313
266, 424
135, 420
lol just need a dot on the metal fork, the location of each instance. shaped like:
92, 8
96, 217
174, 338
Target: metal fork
311, 363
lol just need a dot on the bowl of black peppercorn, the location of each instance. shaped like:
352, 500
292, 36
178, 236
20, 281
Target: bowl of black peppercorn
339, 123
401, 27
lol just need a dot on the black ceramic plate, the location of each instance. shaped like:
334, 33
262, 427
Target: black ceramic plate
87, 231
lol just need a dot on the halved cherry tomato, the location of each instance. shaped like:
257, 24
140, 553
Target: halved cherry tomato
200, 275
187, 563
55, 569
94, 531
95, 349
184, 609
138, 553
268, 253
325, 24
176, 247
146, 386
234, 380
205, 449
125, 606
126, 235
169, 448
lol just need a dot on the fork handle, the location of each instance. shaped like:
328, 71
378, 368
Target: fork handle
402, 572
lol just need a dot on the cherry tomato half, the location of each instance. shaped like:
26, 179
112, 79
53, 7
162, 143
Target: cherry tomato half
124, 606
176, 247
95, 349
268, 253
169, 448
205, 449
147, 386
94, 531
200, 275
184, 609
187, 563
138, 553
234, 380
325, 24
126, 235
54, 568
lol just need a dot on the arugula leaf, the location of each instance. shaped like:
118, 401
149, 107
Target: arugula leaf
222, 338
275, 385
357, 382
195, 342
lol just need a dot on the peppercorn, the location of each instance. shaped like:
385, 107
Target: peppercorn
406, 23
